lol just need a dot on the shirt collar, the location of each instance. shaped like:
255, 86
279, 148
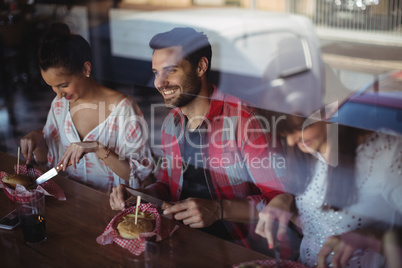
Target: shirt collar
216, 105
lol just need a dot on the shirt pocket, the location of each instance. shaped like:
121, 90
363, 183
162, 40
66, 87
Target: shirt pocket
228, 169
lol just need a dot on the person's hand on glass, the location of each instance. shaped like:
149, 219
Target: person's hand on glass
196, 212
347, 246
274, 218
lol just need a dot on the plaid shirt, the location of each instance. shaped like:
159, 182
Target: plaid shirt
238, 159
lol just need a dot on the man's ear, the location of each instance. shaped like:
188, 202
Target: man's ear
202, 66
87, 69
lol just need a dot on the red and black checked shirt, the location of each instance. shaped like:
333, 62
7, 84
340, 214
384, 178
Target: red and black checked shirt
239, 159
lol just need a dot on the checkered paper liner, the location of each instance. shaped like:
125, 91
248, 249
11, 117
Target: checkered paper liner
49, 187
163, 229
270, 264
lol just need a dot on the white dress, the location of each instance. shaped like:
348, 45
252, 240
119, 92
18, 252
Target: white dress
122, 130
379, 186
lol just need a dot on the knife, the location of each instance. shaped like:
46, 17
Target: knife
277, 246
277, 250
161, 205
49, 174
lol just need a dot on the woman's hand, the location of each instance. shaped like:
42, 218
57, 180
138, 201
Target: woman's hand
34, 142
274, 218
76, 151
346, 246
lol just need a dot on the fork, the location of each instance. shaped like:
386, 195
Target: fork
31, 173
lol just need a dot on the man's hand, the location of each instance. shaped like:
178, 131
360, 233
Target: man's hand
274, 218
195, 212
117, 197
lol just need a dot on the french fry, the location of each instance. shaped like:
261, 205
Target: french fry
137, 208
18, 161
141, 215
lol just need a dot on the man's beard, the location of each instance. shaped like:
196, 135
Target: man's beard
191, 88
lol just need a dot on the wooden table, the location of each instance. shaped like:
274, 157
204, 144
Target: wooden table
73, 225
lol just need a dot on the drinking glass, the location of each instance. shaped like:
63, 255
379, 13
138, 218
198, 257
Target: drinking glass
148, 259
31, 211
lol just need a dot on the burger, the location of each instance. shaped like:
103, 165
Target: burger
128, 229
14, 179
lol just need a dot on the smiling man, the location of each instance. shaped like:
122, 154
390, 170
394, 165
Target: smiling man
214, 167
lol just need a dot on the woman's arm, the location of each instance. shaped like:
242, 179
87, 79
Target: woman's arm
77, 150
119, 166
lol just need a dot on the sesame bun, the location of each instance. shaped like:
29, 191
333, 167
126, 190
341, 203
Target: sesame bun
14, 179
129, 230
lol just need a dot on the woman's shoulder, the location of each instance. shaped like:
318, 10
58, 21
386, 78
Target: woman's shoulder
112, 97
381, 139
380, 144
122, 103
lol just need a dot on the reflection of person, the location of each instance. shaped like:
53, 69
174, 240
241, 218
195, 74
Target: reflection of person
213, 146
345, 207
86, 120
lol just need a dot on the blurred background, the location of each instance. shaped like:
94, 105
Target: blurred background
284, 55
